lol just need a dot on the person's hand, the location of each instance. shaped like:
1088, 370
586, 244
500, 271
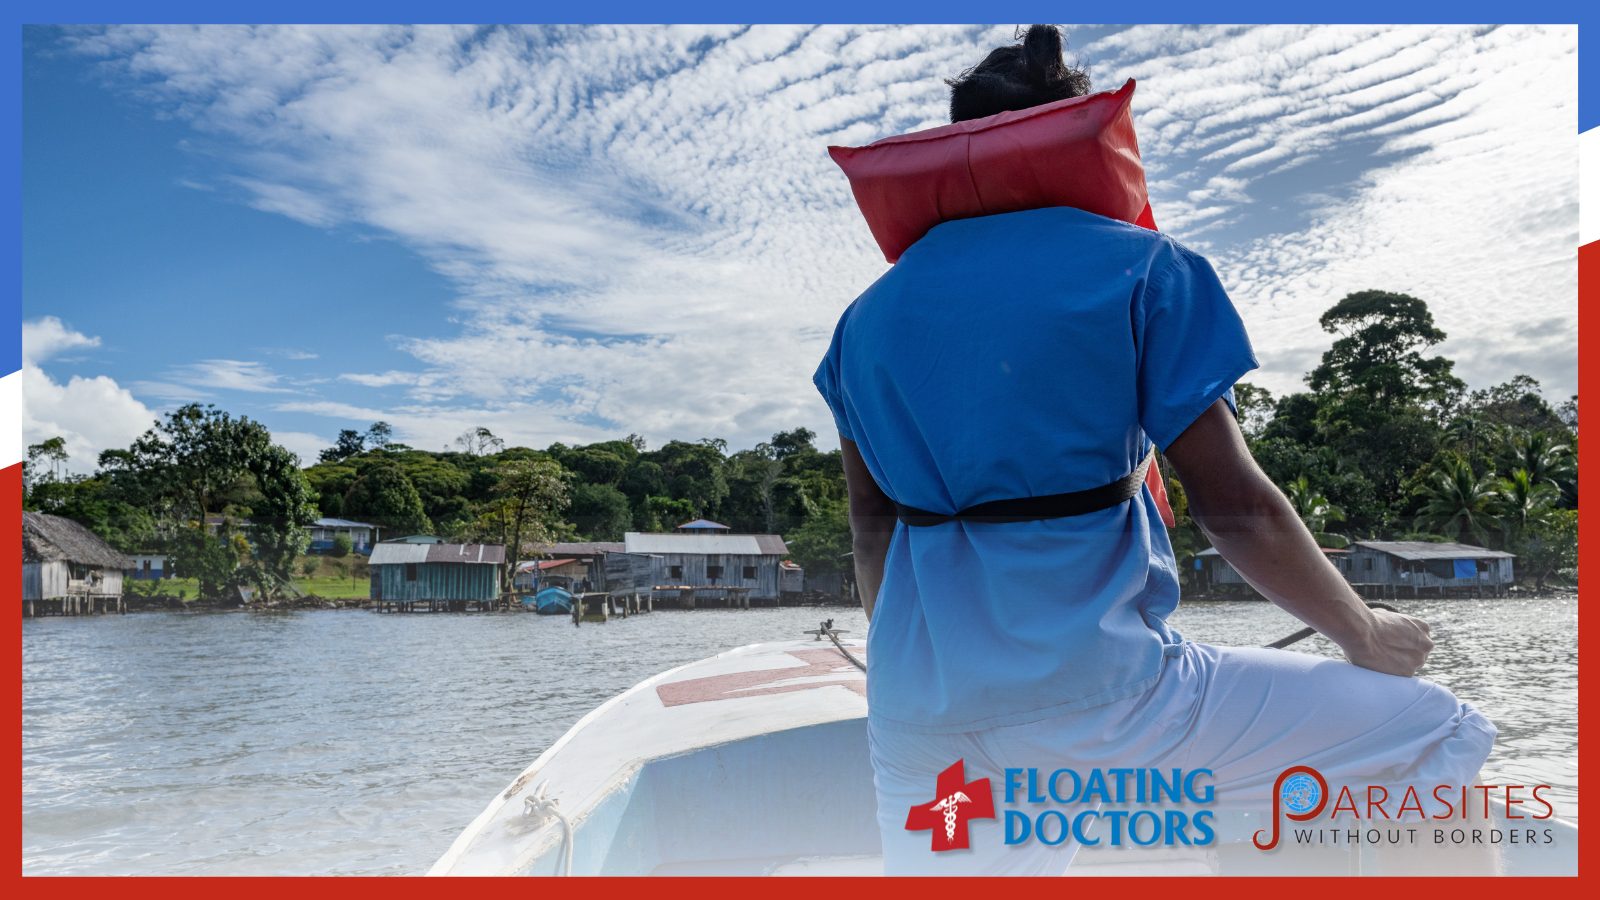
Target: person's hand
1395, 643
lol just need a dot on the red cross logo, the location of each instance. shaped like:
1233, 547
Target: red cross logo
956, 801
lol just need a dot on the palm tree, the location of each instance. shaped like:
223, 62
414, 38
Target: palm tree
1469, 431
1457, 502
1521, 501
1545, 460
1314, 509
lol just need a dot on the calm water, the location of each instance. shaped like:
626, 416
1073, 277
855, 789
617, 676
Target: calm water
347, 742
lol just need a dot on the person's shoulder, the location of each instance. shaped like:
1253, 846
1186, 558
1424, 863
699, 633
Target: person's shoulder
1175, 248
1086, 226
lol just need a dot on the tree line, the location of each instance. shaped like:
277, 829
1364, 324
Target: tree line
1388, 443
1385, 442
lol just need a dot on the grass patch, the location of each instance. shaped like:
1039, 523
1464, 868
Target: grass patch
334, 579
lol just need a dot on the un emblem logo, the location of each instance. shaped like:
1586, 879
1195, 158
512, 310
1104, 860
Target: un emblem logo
1300, 793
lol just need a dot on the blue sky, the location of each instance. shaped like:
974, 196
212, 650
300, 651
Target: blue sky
573, 234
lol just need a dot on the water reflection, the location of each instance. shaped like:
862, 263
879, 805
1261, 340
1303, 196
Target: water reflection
344, 742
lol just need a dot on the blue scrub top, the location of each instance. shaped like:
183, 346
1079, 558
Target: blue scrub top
1014, 355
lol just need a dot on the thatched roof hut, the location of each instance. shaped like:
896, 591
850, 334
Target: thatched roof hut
47, 538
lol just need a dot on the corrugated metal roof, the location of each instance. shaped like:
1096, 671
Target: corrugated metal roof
740, 544
486, 554
1212, 551
341, 523
543, 564
394, 554
1431, 550
772, 544
582, 548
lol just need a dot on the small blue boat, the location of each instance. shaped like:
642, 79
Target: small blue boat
552, 601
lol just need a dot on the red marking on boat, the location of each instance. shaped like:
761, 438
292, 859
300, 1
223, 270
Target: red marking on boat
765, 681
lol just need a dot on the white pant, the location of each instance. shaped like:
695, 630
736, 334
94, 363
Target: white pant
1244, 713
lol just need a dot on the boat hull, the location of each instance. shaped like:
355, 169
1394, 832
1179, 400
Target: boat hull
552, 601
755, 762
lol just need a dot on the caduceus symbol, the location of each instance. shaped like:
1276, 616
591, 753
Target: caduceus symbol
948, 807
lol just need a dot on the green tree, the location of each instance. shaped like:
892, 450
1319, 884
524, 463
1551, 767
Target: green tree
1470, 435
1548, 547
1521, 503
342, 546
479, 441
44, 462
384, 495
91, 502
1312, 508
349, 443
380, 436
1544, 459
200, 460
787, 444
1378, 355
1457, 503
694, 473
821, 545
1375, 406
1255, 408
600, 512
1517, 404
662, 513
595, 464
530, 496
282, 508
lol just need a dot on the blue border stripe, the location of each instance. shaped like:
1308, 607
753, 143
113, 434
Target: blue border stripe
11, 202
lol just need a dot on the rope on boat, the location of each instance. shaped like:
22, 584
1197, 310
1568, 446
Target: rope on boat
833, 635
1304, 633
540, 804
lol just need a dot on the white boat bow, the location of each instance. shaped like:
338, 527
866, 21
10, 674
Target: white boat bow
754, 762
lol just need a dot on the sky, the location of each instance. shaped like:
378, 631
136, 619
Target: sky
574, 234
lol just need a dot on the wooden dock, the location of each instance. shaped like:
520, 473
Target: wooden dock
684, 596
75, 605
602, 606
436, 606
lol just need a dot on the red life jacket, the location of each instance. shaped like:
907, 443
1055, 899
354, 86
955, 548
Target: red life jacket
1080, 152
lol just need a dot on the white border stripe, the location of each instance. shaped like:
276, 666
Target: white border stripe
1589, 186
10, 420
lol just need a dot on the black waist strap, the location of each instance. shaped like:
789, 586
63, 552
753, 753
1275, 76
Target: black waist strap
1048, 506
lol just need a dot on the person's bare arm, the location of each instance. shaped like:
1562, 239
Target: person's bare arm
872, 518
1256, 530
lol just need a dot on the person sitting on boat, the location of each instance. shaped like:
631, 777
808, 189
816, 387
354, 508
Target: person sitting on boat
1045, 351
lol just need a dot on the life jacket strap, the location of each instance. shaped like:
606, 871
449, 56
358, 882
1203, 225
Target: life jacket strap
1047, 506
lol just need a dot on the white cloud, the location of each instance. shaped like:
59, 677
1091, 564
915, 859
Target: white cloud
303, 444
292, 353
230, 374
391, 378
646, 234
199, 381
91, 414
47, 337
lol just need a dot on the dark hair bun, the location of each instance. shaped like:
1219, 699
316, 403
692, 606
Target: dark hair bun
1028, 73
1041, 55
